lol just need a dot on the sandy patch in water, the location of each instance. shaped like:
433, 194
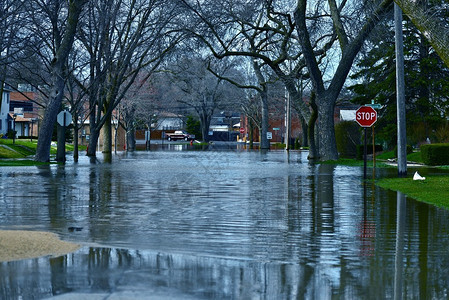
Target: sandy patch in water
18, 244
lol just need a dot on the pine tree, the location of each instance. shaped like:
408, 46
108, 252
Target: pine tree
426, 85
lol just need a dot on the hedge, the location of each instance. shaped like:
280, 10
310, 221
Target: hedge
435, 154
369, 150
409, 149
347, 136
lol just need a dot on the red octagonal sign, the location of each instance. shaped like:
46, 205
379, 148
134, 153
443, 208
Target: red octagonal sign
366, 116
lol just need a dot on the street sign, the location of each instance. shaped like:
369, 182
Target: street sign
64, 118
269, 135
375, 106
366, 116
242, 130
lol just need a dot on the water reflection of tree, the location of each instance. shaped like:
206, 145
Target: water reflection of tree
100, 197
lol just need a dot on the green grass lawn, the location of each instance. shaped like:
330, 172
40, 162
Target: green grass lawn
414, 157
21, 150
20, 163
434, 190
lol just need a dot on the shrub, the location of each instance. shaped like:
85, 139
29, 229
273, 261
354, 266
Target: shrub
435, 154
369, 150
408, 151
347, 135
297, 144
10, 134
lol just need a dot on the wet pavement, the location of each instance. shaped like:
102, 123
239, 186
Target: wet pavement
220, 224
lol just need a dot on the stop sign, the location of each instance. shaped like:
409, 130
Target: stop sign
366, 116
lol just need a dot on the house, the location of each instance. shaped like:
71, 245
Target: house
168, 121
163, 122
4, 111
224, 126
23, 111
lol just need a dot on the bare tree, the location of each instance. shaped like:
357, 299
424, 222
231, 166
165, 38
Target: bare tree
120, 38
260, 31
12, 13
77, 99
350, 42
260, 119
268, 32
138, 108
200, 90
63, 17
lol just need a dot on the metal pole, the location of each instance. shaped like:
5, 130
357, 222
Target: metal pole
60, 151
374, 155
400, 93
364, 155
14, 129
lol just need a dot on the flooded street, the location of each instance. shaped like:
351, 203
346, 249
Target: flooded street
222, 225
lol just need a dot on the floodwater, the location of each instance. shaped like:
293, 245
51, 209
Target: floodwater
219, 224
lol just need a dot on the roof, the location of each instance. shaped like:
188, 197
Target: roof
166, 114
19, 118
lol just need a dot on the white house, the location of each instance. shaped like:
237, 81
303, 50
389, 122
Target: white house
168, 121
4, 112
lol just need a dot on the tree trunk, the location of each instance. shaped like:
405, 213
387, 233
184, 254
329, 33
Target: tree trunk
51, 113
75, 143
131, 139
305, 133
107, 134
205, 123
115, 138
264, 142
93, 141
327, 142
313, 150
251, 134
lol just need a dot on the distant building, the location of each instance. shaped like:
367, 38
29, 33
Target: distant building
24, 113
168, 121
225, 121
4, 112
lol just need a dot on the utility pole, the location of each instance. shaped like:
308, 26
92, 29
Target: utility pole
400, 93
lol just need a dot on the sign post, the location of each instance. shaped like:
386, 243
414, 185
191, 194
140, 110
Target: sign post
365, 116
64, 119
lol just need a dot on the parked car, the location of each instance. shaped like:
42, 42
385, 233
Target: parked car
180, 135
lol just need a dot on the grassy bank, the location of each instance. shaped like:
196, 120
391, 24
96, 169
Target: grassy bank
22, 151
381, 160
433, 190
412, 157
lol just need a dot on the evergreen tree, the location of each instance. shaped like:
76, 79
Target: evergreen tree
426, 85
193, 126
